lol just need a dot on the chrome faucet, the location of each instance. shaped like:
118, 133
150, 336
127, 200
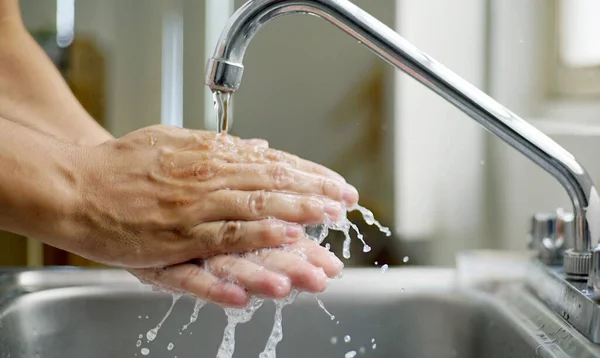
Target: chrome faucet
225, 69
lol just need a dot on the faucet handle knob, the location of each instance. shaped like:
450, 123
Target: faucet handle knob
550, 234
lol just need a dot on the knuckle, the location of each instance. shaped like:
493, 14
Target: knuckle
212, 291
312, 209
279, 175
257, 202
275, 155
203, 171
231, 233
268, 231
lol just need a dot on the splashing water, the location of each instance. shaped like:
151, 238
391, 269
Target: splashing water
277, 332
151, 335
197, 306
370, 220
322, 305
317, 233
236, 316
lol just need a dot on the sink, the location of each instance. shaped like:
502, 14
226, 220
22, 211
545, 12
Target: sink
406, 312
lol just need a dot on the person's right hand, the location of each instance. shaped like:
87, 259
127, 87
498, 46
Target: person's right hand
162, 196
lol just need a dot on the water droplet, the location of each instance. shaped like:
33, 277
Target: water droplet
347, 338
138, 343
372, 340
374, 346
350, 354
333, 340
405, 259
170, 346
322, 305
376, 263
361, 350
384, 268
145, 351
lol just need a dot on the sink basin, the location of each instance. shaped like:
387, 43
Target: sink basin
407, 312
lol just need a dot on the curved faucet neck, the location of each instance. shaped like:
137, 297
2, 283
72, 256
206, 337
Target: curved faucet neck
225, 70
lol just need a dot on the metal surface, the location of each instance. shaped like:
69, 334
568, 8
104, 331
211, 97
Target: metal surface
549, 234
407, 312
577, 304
225, 69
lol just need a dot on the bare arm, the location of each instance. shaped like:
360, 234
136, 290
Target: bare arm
32, 90
36, 183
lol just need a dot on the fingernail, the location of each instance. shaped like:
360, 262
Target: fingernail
236, 296
336, 261
350, 195
294, 231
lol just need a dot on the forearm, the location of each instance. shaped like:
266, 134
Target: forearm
37, 183
32, 90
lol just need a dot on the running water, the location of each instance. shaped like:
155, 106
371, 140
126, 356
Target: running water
197, 306
151, 335
277, 331
318, 234
222, 102
236, 316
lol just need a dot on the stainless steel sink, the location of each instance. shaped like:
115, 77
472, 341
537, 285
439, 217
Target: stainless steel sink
405, 312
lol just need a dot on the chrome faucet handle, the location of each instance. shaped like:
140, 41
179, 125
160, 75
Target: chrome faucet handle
550, 234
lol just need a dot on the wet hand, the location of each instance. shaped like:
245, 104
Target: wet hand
161, 196
229, 280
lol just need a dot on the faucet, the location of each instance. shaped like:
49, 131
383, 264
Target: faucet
225, 69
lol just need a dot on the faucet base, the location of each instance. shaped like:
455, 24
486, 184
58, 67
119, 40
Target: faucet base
573, 300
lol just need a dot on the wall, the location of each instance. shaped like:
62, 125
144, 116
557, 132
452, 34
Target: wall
439, 150
520, 36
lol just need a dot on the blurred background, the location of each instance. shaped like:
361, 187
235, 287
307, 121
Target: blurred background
425, 169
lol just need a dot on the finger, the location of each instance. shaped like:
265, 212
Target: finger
256, 142
318, 256
197, 281
283, 177
270, 155
222, 237
249, 275
256, 205
301, 272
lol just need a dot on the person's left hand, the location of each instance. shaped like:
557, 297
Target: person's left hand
229, 280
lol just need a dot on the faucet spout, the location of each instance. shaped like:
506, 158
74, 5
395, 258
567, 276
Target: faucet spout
225, 69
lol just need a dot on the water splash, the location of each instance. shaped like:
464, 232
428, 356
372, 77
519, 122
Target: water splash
322, 305
151, 335
370, 219
197, 306
236, 316
277, 331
